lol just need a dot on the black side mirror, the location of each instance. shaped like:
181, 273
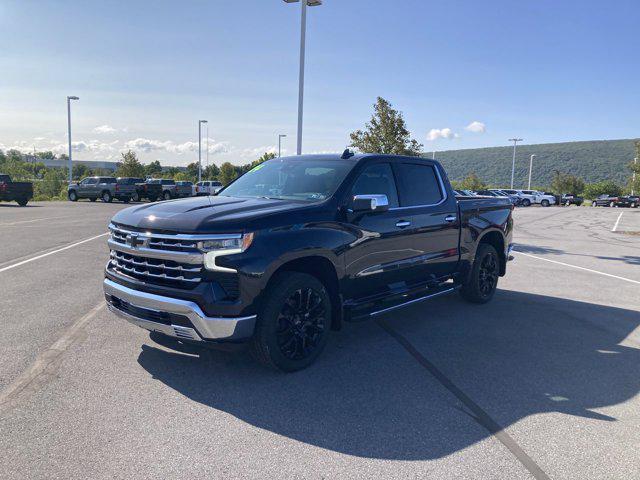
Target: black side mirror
370, 203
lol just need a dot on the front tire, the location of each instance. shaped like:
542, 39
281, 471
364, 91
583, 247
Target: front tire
167, 195
135, 197
483, 280
106, 197
526, 202
612, 204
293, 323
594, 204
545, 203
73, 196
23, 202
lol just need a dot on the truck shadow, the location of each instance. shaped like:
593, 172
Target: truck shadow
520, 355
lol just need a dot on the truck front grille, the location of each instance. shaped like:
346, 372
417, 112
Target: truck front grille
153, 270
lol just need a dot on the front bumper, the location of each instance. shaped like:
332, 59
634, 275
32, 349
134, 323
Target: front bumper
174, 317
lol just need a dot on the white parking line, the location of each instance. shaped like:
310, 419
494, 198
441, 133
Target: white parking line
617, 222
9, 224
4, 269
579, 268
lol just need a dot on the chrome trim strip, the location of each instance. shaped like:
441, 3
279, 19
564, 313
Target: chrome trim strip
180, 236
181, 257
211, 328
415, 300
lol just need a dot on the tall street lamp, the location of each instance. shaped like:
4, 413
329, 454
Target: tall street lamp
633, 180
200, 122
280, 137
513, 163
303, 30
530, 170
69, 133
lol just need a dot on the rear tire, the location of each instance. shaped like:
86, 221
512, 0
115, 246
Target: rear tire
612, 204
135, 197
73, 196
526, 202
545, 203
93, 199
22, 201
106, 197
483, 280
166, 195
293, 323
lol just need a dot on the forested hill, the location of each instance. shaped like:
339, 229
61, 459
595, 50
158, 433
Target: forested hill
592, 161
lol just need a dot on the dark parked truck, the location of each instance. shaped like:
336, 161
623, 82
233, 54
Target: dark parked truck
10, 191
299, 245
142, 189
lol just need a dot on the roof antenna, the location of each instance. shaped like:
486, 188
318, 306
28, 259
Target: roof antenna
347, 153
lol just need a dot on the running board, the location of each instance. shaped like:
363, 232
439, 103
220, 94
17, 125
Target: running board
362, 311
415, 300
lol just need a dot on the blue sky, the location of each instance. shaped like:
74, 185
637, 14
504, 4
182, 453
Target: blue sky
146, 71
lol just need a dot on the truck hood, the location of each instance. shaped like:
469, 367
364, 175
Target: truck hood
202, 214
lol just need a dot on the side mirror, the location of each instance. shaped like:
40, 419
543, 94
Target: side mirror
370, 203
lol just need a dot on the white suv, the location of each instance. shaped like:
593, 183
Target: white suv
534, 196
208, 187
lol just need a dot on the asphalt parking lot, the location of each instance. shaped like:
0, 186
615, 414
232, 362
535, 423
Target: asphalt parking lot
542, 382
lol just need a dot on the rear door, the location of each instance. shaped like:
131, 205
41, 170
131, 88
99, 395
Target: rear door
435, 228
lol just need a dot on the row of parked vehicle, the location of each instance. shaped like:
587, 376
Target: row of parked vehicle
525, 198
127, 189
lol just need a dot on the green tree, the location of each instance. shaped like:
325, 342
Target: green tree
130, 166
566, 183
210, 172
472, 182
79, 171
153, 168
192, 172
51, 185
594, 190
634, 183
386, 132
14, 155
46, 155
227, 173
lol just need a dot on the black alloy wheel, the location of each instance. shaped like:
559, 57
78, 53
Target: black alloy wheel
488, 274
482, 282
301, 324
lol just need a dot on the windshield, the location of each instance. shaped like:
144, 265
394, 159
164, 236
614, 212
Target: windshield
309, 180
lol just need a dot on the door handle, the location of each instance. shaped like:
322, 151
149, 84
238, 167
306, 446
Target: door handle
450, 218
403, 223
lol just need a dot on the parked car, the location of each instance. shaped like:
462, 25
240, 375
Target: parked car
208, 187
634, 201
10, 191
169, 189
295, 248
513, 197
185, 189
540, 198
612, 201
571, 199
104, 188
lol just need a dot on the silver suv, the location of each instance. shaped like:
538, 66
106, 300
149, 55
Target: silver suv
104, 188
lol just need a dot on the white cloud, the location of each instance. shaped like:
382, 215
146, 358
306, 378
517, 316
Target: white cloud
259, 151
476, 127
94, 146
436, 133
104, 129
148, 145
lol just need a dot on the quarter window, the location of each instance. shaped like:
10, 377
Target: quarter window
377, 180
418, 185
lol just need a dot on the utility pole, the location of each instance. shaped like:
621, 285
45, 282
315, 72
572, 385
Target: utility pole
69, 134
633, 180
513, 163
200, 122
530, 170
280, 137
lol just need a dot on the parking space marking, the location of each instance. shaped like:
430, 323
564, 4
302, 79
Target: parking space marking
615, 227
20, 222
579, 268
476, 411
43, 365
4, 269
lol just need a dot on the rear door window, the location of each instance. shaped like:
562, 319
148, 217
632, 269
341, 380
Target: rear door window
418, 185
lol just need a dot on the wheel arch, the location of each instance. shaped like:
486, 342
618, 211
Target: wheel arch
324, 270
495, 238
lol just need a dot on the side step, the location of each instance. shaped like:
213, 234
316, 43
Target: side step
369, 309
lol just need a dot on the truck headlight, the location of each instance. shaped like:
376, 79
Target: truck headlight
216, 247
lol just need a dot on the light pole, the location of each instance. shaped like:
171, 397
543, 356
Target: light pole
200, 122
303, 32
633, 180
530, 170
69, 133
513, 163
280, 137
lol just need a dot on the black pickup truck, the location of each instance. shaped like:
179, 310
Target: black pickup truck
298, 245
20, 192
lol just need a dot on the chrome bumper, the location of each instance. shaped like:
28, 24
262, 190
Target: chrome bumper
205, 328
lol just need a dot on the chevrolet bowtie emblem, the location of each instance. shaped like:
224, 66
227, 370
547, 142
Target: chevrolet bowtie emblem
134, 240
